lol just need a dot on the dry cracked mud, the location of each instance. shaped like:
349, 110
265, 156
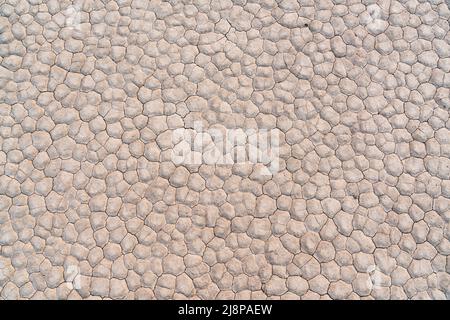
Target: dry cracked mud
93, 205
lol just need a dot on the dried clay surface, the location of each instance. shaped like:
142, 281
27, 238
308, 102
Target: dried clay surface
93, 205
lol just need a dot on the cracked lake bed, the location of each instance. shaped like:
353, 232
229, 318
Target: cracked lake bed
224, 149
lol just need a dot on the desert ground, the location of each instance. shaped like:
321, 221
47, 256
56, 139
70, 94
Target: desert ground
193, 149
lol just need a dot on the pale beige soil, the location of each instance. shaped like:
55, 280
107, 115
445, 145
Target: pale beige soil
93, 206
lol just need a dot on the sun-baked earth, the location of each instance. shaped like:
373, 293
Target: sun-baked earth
93, 206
